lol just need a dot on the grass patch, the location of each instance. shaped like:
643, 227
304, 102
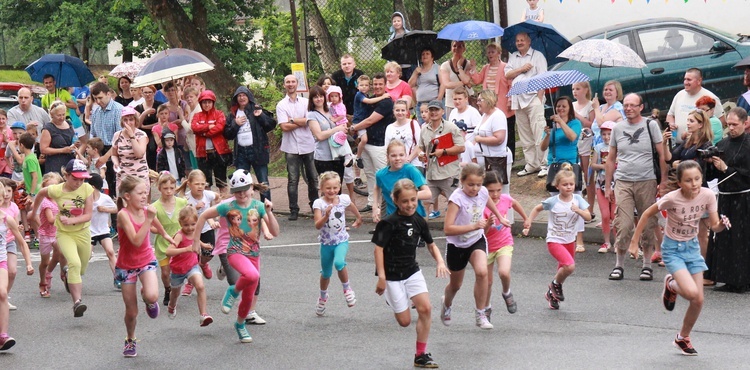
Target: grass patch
16, 76
277, 168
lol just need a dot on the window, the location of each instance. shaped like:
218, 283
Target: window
673, 43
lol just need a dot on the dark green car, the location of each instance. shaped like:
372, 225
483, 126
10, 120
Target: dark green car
668, 46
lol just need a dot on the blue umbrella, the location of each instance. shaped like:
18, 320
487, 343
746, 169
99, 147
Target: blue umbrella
470, 30
547, 80
544, 38
68, 71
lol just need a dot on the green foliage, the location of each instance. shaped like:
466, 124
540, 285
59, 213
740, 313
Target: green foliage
276, 50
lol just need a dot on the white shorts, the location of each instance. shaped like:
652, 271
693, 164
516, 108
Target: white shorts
349, 175
399, 292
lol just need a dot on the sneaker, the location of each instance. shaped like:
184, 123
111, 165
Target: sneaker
685, 346
129, 350
656, 257
542, 173
482, 321
320, 308
206, 320
366, 208
580, 249
79, 308
445, 313
553, 303
242, 333
525, 172
488, 313
228, 301
6, 343
152, 310
510, 303
293, 216
351, 299
171, 312
64, 277
206, 268
668, 296
220, 273
167, 293
116, 284
433, 215
254, 319
187, 290
604, 248
557, 291
425, 360
48, 280
11, 307
360, 164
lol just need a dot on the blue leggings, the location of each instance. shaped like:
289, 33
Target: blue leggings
332, 255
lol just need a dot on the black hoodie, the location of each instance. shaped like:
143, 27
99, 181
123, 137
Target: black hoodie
260, 126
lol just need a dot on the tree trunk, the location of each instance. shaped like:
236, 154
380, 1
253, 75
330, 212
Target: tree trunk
200, 16
74, 51
429, 14
180, 32
85, 48
324, 45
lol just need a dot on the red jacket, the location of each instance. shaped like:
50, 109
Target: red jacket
201, 121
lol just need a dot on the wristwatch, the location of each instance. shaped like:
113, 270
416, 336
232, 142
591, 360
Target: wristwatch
445, 152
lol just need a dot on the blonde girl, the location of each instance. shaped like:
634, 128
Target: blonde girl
183, 263
47, 240
567, 212
168, 208
398, 168
6, 341
405, 130
466, 243
584, 112
11, 210
136, 260
330, 218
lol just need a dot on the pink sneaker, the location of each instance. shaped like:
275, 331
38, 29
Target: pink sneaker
207, 271
187, 290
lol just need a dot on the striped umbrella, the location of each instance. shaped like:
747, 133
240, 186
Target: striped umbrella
547, 80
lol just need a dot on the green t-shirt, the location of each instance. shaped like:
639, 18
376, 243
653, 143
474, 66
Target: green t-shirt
171, 225
61, 94
31, 165
70, 204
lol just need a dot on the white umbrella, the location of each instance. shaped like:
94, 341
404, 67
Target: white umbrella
172, 64
601, 52
129, 69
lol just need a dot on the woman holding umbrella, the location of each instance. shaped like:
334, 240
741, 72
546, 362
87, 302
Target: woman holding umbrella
426, 80
453, 72
123, 87
612, 110
56, 143
147, 119
492, 77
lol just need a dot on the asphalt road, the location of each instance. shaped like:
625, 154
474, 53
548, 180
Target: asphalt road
601, 324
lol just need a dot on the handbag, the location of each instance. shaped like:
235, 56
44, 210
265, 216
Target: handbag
555, 167
472, 98
654, 155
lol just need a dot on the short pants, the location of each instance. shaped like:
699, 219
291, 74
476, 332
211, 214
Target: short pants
678, 255
176, 280
399, 292
99, 238
131, 276
457, 258
11, 247
46, 244
503, 251
563, 253
208, 237
4, 265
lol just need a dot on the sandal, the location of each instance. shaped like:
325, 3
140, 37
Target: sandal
647, 274
616, 274
43, 291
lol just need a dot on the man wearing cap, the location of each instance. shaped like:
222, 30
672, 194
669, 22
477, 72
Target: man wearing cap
104, 123
374, 155
27, 112
440, 179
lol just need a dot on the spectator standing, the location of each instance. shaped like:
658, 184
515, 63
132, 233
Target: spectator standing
685, 102
57, 144
105, 121
346, 78
492, 77
26, 111
212, 150
426, 80
744, 100
453, 72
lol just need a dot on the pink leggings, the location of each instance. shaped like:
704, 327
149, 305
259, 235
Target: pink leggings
563, 253
607, 209
249, 270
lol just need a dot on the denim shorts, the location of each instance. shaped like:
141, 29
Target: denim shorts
679, 255
131, 276
176, 280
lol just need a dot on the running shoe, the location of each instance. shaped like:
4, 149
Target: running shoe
242, 333
351, 299
228, 301
152, 310
685, 346
167, 292
656, 257
425, 360
187, 290
320, 308
482, 322
6, 343
553, 303
433, 215
79, 308
445, 313
668, 296
220, 273
11, 306
604, 248
206, 268
206, 320
510, 303
172, 312
254, 319
129, 350
557, 291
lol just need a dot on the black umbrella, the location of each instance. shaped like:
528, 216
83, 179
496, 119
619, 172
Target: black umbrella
408, 48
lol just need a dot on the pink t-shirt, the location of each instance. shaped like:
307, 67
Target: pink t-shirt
469, 211
13, 212
133, 256
683, 214
222, 233
182, 263
47, 228
402, 89
497, 239
339, 111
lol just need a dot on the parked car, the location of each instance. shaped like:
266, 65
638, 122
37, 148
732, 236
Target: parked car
7, 103
10, 90
668, 46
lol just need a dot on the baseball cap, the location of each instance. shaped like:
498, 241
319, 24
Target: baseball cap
435, 104
607, 125
19, 125
96, 181
167, 134
128, 111
77, 169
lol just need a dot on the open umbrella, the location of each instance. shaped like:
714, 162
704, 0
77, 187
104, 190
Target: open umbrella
547, 80
408, 48
171, 64
67, 70
129, 69
470, 30
602, 52
544, 38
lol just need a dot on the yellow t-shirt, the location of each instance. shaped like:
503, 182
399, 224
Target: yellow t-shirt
61, 94
71, 204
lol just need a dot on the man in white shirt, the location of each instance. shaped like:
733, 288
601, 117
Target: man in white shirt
684, 103
464, 115
26, 112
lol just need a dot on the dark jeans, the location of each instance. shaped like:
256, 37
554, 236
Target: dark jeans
245, 160
111, 177
215, 165
295, 163
511, 134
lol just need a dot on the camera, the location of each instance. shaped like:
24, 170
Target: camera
711, 151
550, 123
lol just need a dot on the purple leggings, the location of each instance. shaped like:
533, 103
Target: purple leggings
249, 270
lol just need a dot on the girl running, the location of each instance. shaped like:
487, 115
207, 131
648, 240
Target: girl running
567, 212
243, 253
168, 209
183, 262
499, 241
104, 208
75, 201
607, 206
10, 209
466, 243
201, 199
680, 248
398, 168
330, 218
135, 259
396, 239
47, 240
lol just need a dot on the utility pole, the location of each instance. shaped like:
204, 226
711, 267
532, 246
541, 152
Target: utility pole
295, 31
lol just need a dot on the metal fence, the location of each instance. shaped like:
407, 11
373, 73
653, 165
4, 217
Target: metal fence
331, 28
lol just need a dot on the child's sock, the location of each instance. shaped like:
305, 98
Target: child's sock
323, 294
346, 286
488, 308
505, 294
680, 337
421, 348
647, 263
554, 281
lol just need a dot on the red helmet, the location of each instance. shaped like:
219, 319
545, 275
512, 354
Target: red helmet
207, 95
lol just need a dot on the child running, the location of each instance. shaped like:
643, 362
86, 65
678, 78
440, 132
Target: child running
11, 210
183, 263
49, 253
168, 208
499, 241
135, 259
680, 249
466, 243
607, 206
104, 208
243, 253
330, 218
9, 224
567, 212
201, 199
396, 239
